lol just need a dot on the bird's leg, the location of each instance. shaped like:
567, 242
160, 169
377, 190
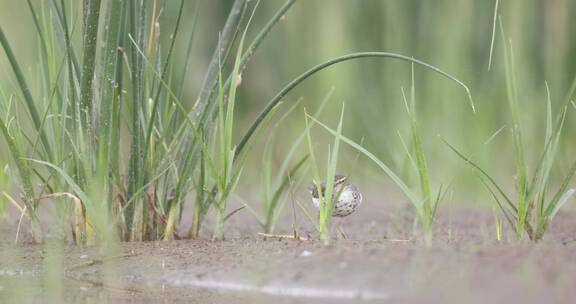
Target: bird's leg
340, 230
332, 226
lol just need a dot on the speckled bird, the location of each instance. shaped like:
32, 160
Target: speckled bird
348, 201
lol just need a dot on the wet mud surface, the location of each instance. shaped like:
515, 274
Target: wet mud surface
380, 262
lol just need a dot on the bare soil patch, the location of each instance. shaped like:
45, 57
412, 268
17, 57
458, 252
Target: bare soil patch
463, 264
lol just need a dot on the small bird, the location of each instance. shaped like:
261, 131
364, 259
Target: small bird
348, 200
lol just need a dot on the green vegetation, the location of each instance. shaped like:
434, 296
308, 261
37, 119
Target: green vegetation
127, 90
326, 198
425, 205
147, 120
110, 123
531, 211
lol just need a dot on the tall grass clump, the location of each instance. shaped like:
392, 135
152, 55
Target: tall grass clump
227, 174
107, 125
227, 167
427, 207
532, 207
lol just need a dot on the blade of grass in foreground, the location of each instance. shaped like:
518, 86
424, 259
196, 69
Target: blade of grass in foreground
427, 208
521, 175
395, 178
327, 204
315, 170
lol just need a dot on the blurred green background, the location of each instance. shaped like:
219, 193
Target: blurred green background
452, 35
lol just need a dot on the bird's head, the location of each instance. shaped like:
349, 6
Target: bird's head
338, 180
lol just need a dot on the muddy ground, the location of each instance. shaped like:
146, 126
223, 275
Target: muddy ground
379, 262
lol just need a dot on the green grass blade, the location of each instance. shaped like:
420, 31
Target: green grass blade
264, 33
90, 38
22, 166
154, 111
496, 133
260, 37
273, 211
548, 114
558, 205
43, 49
545, 162
108, 87
86, 202
224, 44
251, 210
484, 173
266, 173
395, 178
553, 205
330, 198
331, 169
296, 144
188, 52
544, 168
73, 73
510, 217
294, 83
493, 34
49, 108
420, 159
315, 170
308, 215
229, 122
407, 151
521, 176
63, 26
286, 180
25, 89
231, 213
437, 201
